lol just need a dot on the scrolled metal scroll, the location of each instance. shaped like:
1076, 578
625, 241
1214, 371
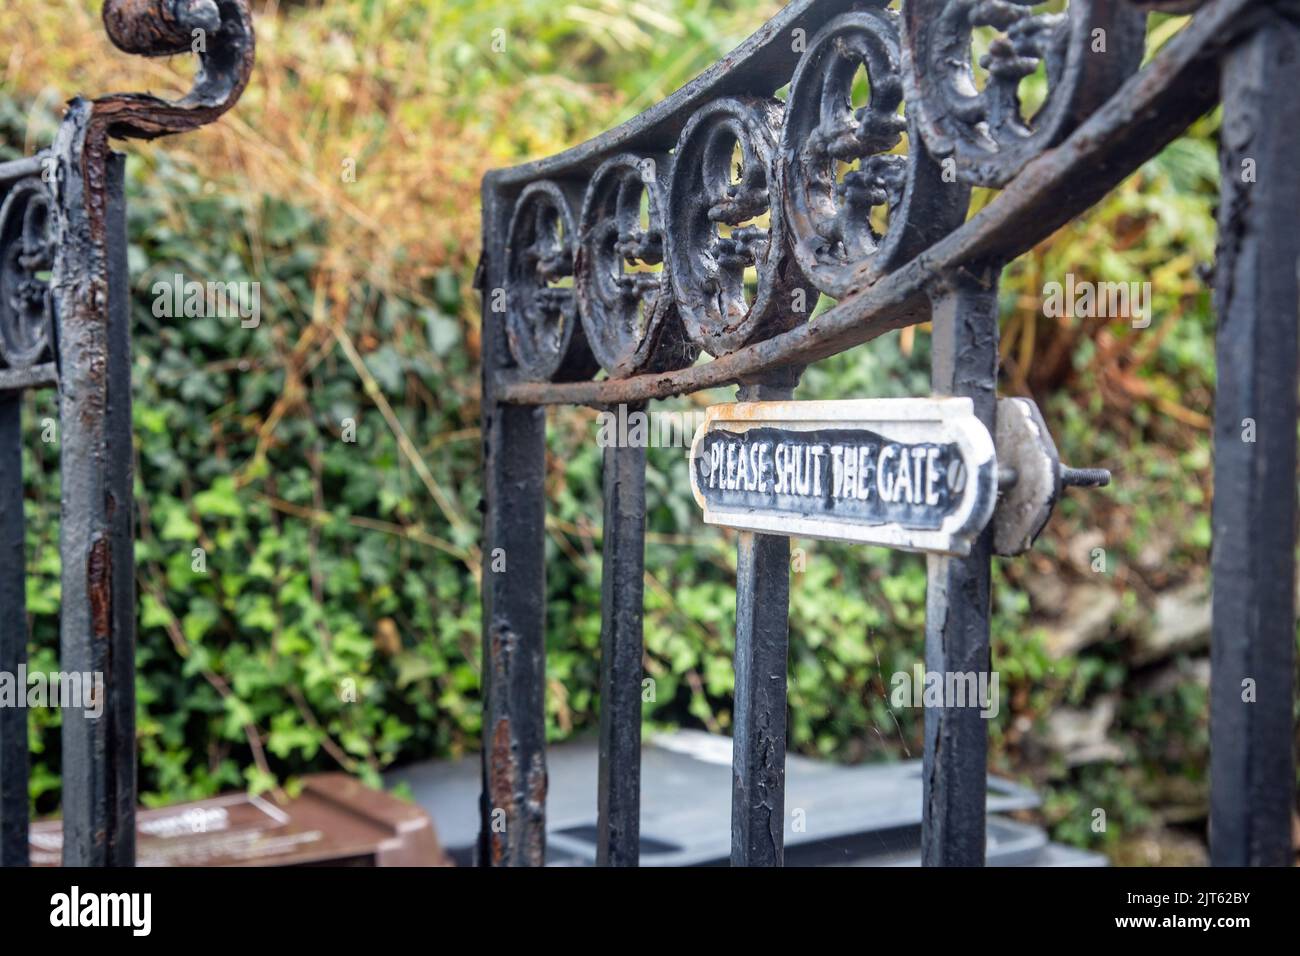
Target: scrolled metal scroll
220, 32
717, 229
829, 215
543, 330
627, 309
26, 258
1086, 52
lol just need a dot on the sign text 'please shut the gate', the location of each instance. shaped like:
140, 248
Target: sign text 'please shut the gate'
914, 474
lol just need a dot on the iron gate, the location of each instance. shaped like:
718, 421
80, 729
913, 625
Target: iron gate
558, 306
569, 288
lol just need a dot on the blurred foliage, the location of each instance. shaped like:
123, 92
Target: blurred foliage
335, 565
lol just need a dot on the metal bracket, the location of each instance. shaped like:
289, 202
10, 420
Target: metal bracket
1030, 476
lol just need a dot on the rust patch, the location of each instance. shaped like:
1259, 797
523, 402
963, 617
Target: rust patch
535, 837
501, 648
537, 783
148, 27
99, 581
502, 770
94, 403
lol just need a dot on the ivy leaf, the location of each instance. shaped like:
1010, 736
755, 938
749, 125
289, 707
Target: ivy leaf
220, 500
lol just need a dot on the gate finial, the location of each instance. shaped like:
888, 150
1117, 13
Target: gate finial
220, 32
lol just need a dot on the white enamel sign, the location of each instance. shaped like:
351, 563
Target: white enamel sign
917, 474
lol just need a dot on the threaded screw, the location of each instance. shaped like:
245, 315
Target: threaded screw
1084, 477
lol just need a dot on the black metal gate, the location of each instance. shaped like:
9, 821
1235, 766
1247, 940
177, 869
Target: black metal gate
734, 194
744, 255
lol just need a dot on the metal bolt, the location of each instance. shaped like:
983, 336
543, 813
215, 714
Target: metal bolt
1083, 477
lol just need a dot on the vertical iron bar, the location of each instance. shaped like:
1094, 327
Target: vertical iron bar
618, 818
13, 634
964, 362
761, 663
513, 802
1252, 771
119, 523
97, 613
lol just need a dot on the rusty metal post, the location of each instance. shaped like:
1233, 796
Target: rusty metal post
1252, 683
964, 362
97, 613
26, 248
513, 801
761, 668
618, 816
13, 634
88, 309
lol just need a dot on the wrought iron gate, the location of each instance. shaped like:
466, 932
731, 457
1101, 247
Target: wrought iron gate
559, 305
566, 293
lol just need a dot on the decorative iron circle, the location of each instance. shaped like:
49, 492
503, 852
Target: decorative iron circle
542, 327
627, 310
829, 216
26, 257
1086, 52
716, 229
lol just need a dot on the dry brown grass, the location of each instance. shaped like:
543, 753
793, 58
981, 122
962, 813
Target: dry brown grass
320, 101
